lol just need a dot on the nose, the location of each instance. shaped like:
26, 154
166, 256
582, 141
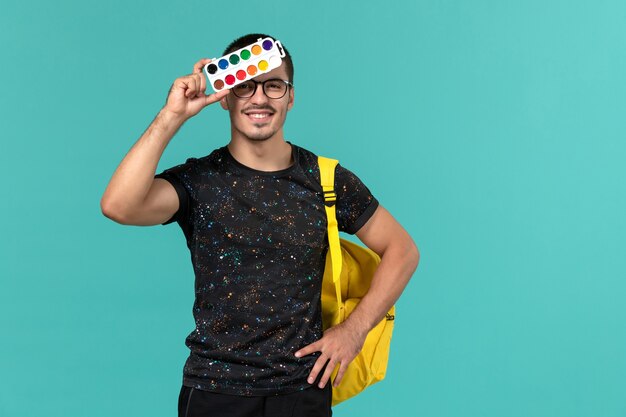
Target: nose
259, 96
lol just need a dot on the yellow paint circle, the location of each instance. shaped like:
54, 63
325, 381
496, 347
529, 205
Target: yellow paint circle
263, 65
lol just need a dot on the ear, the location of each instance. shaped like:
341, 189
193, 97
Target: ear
224, 102
291, 98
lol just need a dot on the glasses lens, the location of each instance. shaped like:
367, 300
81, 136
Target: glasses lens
275, 88
245, 89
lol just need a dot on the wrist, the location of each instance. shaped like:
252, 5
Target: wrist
358, 326
170, 118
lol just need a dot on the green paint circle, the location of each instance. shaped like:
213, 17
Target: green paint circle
234, 59
245, 54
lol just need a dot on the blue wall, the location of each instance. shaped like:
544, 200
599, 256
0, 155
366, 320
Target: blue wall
489, 129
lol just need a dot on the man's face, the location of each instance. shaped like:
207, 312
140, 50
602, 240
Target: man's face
259, 117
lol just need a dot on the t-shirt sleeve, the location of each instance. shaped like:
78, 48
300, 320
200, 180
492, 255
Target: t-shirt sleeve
180, 176
355, 202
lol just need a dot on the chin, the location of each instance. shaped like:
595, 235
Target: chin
258, 133
259, 136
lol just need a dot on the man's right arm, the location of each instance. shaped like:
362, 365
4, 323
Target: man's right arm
134, 196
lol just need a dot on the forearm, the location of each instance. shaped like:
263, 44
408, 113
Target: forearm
133, 178
396, 267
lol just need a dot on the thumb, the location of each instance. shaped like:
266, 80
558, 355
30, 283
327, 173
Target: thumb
212, 98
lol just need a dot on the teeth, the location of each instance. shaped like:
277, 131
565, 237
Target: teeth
259, 115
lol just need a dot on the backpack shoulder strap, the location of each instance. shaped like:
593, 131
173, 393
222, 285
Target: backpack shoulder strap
327, 180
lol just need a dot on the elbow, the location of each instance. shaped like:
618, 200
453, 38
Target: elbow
406, 251
413, 254
110, 211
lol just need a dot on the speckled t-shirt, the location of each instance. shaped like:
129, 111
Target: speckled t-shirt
258, 247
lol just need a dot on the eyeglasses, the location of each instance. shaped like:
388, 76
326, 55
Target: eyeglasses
274, 88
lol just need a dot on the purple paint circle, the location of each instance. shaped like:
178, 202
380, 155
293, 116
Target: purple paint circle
267, 44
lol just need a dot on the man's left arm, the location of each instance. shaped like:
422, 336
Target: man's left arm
399, 259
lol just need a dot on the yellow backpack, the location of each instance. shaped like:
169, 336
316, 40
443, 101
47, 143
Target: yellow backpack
350, 267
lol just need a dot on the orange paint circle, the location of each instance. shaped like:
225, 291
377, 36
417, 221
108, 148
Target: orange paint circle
251, 69
256, 49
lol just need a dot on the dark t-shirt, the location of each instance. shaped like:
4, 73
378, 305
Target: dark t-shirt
258, 247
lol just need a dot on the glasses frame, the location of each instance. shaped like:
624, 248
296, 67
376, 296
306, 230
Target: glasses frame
256, 84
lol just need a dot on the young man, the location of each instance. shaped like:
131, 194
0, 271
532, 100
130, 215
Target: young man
252, 212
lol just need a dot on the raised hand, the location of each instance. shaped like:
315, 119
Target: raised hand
187, 95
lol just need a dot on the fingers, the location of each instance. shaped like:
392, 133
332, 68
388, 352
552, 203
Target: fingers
319, 364
197, 69
195, 87
339, 377
336, 347
330, 367
313, 347
198, 66
202, 83
200, 89
192, 89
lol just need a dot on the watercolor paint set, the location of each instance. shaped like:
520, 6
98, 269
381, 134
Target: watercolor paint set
248, 62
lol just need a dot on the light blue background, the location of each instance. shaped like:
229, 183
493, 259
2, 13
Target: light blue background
492, 130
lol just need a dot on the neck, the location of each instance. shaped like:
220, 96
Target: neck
273, 154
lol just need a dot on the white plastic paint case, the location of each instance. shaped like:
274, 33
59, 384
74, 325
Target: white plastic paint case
244, 64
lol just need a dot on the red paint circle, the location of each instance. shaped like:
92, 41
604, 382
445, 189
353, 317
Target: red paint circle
241, 75
230, 79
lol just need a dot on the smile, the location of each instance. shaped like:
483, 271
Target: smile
259, 116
